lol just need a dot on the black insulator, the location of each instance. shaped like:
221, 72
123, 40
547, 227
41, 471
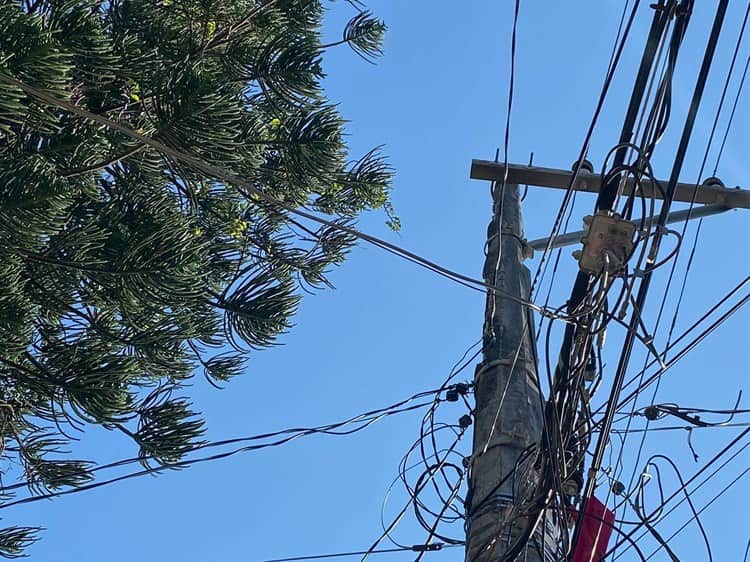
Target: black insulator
462, 388
651, 413
451, 395
586, 166
464, 421
618, 488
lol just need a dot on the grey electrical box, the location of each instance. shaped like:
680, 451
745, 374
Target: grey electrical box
608, 241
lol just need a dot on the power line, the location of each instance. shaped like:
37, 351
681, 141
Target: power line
364, 420
434, 547
627, 347
701, 510
250, 191
683, 427
708, 478
684, 486
681, 353
694, 246
586, 142
734, 107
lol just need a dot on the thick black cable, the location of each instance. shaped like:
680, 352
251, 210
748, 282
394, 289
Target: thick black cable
250, 191
582, 283
682, 235
608, 192
644, 286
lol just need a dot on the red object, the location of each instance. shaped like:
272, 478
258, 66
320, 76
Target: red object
595, 532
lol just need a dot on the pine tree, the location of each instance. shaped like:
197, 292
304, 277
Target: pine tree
126, 272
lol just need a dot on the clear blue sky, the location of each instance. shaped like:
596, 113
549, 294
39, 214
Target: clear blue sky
436, 100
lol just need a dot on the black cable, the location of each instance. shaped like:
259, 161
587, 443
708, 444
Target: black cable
734, 105
416, 548
685, 427
608, 191
705, 467
250, 191
587, 141
695, 513
396, 520
708, 478
695, 516
700, 174
366, 419
681, 352
644, 286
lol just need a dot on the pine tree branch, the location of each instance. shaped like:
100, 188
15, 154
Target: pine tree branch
224, 36
218, 40
102, 165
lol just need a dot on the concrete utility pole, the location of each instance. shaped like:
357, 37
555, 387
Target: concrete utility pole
508, 414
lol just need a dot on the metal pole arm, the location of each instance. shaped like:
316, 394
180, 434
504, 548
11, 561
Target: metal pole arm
678, 216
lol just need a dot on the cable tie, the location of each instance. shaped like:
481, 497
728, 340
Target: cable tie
427, 547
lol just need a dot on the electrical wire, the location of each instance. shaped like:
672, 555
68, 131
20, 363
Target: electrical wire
695, 516
364, 420
415, 548
397, 519
251, 191
681, 353
707, 479
684, 486
684, 427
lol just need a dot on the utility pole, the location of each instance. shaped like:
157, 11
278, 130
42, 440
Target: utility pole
527, 457
508, 411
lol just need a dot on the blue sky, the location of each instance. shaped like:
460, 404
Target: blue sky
436, 100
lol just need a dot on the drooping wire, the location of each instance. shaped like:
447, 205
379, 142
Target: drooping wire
708, 478
415, 548
285, 436
687, 483
251, 191
681, 352
695, 515
397, 519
